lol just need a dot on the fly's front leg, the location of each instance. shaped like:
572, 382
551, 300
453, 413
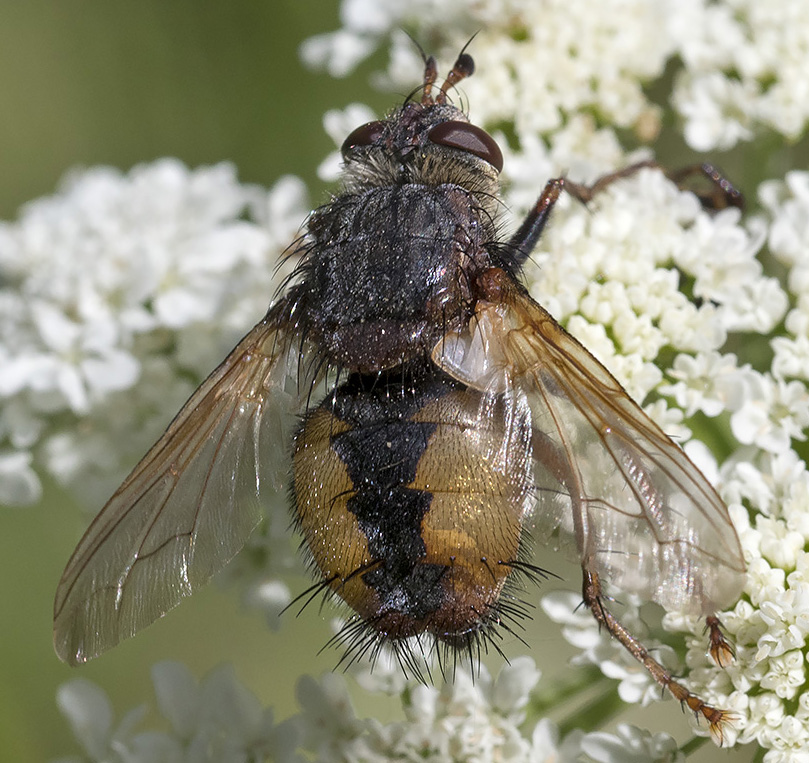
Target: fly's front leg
720, 194
593, 598
522, 243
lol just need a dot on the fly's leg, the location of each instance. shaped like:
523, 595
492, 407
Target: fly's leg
552, 457
593, 598
720, 194
525, 238
720, 650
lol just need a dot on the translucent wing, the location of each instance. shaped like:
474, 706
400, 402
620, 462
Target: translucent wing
187, 507
609, 483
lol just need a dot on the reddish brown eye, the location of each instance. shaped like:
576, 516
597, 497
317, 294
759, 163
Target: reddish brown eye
468, 138
364, 135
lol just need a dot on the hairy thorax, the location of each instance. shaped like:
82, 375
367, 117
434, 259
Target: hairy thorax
390, 272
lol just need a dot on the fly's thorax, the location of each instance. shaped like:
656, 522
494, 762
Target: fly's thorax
407, 509
388, 270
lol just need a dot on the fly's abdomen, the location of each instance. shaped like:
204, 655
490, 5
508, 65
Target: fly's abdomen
411, 502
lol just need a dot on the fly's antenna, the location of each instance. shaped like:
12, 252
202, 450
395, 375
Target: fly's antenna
430, 71
430, 76
463, 67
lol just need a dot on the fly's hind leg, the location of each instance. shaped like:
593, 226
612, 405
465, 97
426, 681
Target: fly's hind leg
718, 647
548, 453
594, 599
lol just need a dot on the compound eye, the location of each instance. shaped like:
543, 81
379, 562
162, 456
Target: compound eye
364, 135
469, 138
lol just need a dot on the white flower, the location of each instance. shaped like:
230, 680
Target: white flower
718, 110
707, 382
567, 59
791, 355
786, 674
721, 254
787, 204
89, 712
338, 52
217, 720
19, 483
631, 745
79, 363
270, 595
116, 288
774, 413
769, 630
743, 65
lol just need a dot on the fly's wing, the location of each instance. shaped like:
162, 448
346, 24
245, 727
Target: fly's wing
187, 507
609, 483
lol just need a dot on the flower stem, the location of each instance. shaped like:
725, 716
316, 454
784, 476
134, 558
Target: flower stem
596, 713
573, 684
692, 745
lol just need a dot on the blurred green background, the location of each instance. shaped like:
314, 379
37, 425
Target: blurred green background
94, 82
100, 82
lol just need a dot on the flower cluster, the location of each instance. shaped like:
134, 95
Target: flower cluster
741, 64
122, 290
218, 720
221, 721
767, 685
743, 70
119, 294
766, 413
565, 60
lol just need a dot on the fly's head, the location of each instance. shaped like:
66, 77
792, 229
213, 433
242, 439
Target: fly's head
427, 141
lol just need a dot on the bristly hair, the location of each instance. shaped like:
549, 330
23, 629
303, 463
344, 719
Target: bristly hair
360, 641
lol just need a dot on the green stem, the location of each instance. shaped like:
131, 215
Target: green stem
596, 713
554, 693
692, 745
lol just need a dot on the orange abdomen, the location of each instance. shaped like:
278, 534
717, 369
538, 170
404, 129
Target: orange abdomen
411, 499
